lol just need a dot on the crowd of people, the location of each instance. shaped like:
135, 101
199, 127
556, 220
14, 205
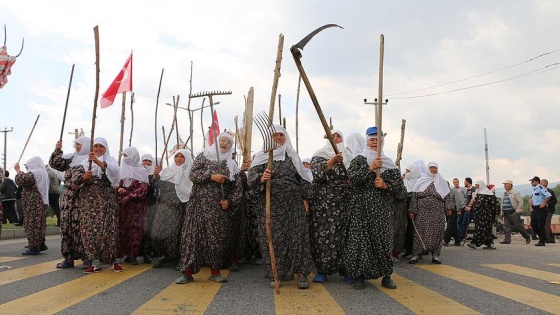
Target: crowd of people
347, 211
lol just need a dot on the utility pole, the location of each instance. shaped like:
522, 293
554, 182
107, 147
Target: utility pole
5, 131
486, 158
375, 103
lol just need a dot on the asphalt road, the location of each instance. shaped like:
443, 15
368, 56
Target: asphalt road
514, 279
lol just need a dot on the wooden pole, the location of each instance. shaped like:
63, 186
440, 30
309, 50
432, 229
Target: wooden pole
276, 77
236, 132
164, 148
248, 128
401, 145
29, 137
191, 114
67, 98
176, 105
380, 101
131, 118
297, 114
170, 131
123, 109
202, 124
155, 117
95, 100
280, 108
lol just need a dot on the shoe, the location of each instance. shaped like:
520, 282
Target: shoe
234, 267
436, 261
413, 260
126, 259
348, 279
490, 246
445, 244
394, 259
157, 262
98, 269
527, 239
320, 278
406, 254
538, 244
504, 242
272, 285
133, 261
388, 283
471, 245
86, 264
36, 252
360, 283
184, 279
259, 261
89, 270
65, 264
43, 247
457, 244
117, 267
302, 283
218, 278
147, 260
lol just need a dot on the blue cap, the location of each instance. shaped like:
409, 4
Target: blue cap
371, 131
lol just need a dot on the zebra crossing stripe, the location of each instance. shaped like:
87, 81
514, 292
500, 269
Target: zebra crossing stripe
528, 272
534, 298
22, 273
315, 300
7, 259
62, 296
190, 298
422, 300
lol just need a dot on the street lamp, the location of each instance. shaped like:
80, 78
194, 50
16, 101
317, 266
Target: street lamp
375, 103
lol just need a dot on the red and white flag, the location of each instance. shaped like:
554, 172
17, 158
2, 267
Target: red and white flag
214, 129
122, 83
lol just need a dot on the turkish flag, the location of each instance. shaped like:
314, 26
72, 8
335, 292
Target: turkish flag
214, 129
122, 83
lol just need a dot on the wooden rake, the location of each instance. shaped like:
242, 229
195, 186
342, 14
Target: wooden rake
267, 131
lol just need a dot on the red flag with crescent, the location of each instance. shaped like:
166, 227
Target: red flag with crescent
214, 129
122, 83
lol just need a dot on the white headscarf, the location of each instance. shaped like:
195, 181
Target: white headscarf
131, 167
112, 170
482, 188
417, 170
440, 183
210, 154
280, 152
327, 151
79, 157
149, 157
355, 143
36, 166
371, 155
179, 175
308, 170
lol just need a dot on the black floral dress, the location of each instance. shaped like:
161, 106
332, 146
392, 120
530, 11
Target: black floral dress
328, 210
289, 224
34, 210
207, 228
486, 208
429, 209
168, 220
70, 237
369, 239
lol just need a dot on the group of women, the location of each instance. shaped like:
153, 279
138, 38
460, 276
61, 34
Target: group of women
345, 215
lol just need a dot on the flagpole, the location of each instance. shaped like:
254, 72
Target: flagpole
96, 36
123, 108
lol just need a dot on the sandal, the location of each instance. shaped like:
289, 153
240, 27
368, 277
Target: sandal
64, 265
218, 278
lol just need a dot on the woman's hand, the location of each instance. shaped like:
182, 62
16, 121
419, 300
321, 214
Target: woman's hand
306, 205
266, 176
121, 191
334, 160
245, 166
379, 183
17, 168
411, 215
375, 164
218, 178
125, 200
58, 145
224, 204
87, 175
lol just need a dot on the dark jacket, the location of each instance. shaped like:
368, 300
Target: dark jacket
551, 205
8, 189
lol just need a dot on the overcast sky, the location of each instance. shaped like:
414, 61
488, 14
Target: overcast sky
451, 69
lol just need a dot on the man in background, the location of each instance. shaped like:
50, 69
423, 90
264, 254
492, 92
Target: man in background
540, 199
8, 189
550, 207
512, 206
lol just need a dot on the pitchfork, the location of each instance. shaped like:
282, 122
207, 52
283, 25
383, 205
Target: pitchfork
262, 121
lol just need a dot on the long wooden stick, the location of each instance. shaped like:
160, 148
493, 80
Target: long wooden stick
380, 101
164, 148
96, 35
297, 114
123, 109
29, 137
191, 114
248, 128
401, 145
67, 98
176, 104
170, 131
131, 118
276, 77
155, 117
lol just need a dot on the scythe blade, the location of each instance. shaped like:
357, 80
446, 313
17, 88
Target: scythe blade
307, 38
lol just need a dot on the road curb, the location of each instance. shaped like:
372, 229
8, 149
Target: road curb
8, 234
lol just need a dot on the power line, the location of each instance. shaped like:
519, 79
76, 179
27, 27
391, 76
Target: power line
523, 75
478, 75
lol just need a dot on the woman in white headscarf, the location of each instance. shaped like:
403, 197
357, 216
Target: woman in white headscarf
217, 190
487, 207
431, 198
35, 200
369, 239
70, 240
328, 221
412, 173
132, 190
290, 190
174, 185
98, 206
146, 250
